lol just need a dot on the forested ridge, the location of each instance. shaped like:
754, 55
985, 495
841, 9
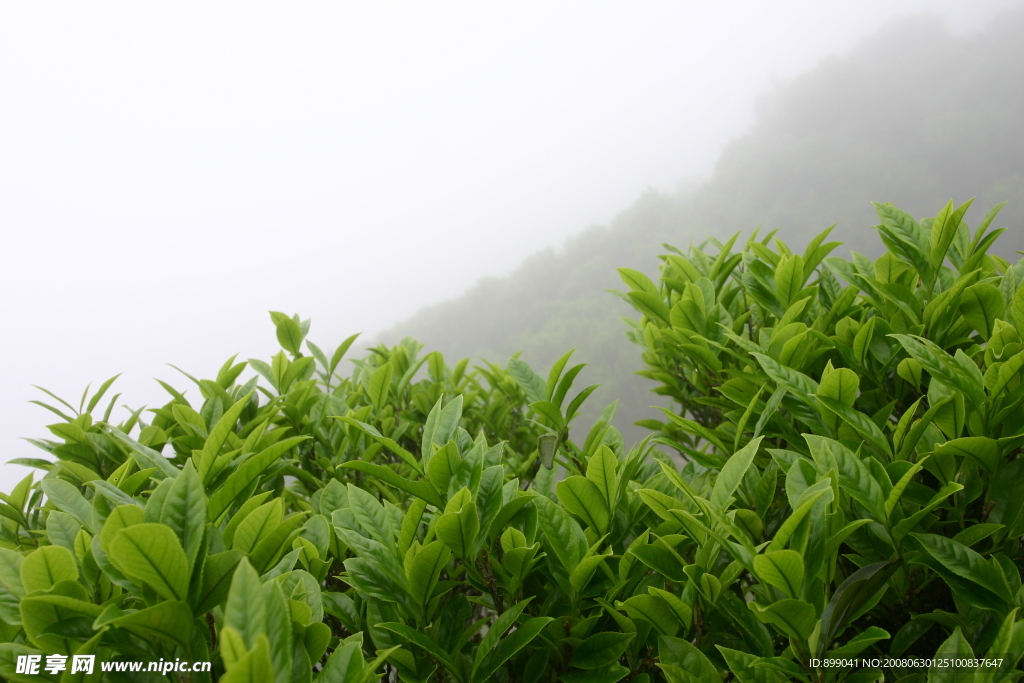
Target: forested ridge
912, 115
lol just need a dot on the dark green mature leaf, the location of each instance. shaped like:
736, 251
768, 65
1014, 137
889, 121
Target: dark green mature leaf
857, 594
732, 473
795, 618
953, 648
859, 421
964, 562
942, 366
430, 647
682, 655
654, 611
600, 649
509, 646
564, 535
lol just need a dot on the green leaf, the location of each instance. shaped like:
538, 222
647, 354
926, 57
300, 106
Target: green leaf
246, 608
841, 385
426, 644
944, 230
509, 646
983, 450
533, 384
390, 444
279, 631
253, 666
62, 528
679, 653
732, 474
954, 647
859, 642
218, 435
857, 594
144, 455
600, 649
218, 571
151, 554
859, 421
45, 567
184, 511
380, 383
424, 569
789, 279
458, 530
942, 367
905, 525
661, 560
783, 569
637, 281
899, 487
289, 334
981, 305
497, 629
602, 470
248, 472
654, 611
855, 476
564, 535
964, 562
68, 499
440, 426
443, 465
795, 618
371, 515
651, 305
794, 381
788, 527
582, 497
170, 619
420, 489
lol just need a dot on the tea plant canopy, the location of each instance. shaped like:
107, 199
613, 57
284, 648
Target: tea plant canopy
834, 496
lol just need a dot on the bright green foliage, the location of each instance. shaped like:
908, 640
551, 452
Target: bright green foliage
850, 486
851, 432
307, 525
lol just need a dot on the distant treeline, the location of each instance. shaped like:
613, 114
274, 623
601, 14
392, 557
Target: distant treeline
912, 116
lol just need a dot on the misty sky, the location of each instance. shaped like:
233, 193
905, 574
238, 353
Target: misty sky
169, 173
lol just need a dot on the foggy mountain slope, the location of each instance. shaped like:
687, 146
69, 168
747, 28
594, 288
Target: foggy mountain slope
913, 115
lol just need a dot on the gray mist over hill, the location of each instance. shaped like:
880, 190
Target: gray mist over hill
912, 115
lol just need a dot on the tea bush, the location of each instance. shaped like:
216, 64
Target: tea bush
848, 488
